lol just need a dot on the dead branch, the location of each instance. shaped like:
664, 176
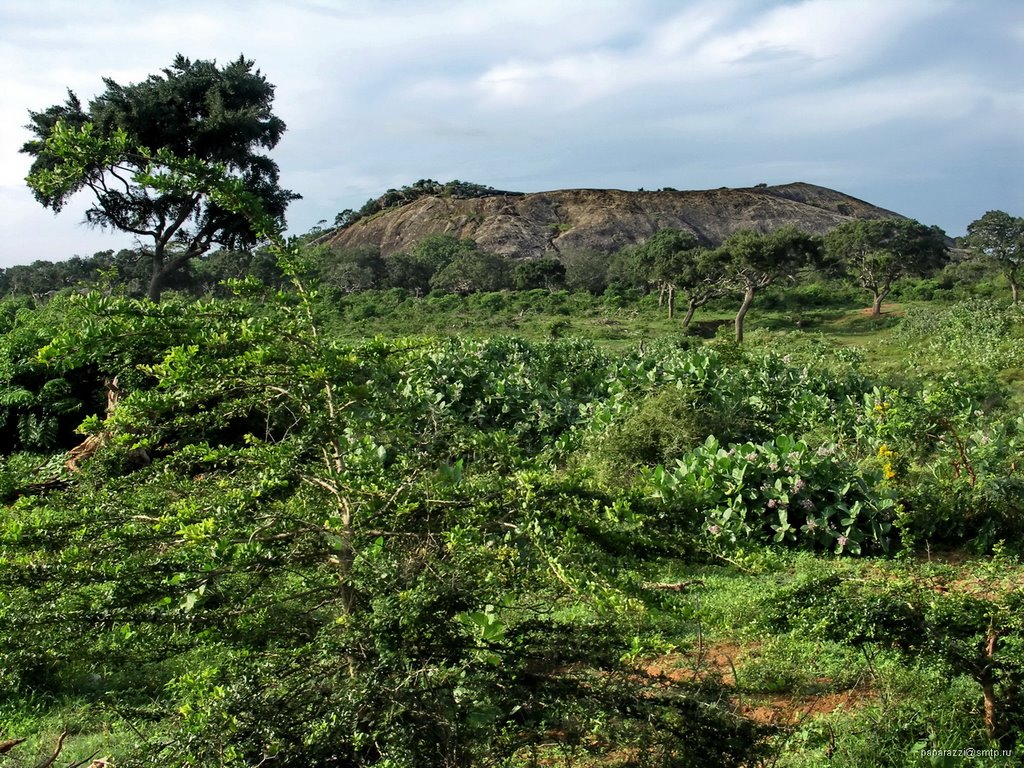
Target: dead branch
56, 751
7, 746
677, 586
92, 443
80, 763
988, 684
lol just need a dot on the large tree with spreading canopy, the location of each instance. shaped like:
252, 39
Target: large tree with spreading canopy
998, 237
220, 116
877, 252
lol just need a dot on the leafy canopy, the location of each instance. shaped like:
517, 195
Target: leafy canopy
998, 237
879, 251
220, 116
757, 260
754, 261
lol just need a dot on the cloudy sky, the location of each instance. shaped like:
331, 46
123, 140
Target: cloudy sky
914, 105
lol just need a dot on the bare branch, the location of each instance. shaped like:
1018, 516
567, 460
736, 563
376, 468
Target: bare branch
56, 751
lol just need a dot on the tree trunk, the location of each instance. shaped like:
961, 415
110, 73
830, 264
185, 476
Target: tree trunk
157, 276
988, 686
690, 309
1014, 289
748, 299
661, 295
156, 286
878, 296
671, 301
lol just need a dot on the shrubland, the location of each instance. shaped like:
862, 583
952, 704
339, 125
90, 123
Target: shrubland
251, 529
296, 549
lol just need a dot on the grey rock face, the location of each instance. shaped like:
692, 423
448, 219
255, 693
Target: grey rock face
604, 220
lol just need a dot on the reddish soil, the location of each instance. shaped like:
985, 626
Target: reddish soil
789, 709
719, 662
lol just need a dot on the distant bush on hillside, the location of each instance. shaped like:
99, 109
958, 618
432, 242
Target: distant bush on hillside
395, 198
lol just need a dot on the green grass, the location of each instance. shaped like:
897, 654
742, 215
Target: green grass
611, 323
92, 730
839, 704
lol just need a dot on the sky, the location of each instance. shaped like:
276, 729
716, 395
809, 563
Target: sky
913, 105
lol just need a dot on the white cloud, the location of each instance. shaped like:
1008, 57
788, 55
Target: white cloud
829, 34
537, 94
834, 110
704, 46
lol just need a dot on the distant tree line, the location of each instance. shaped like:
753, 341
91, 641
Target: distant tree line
128, 271
395, 198
872, 254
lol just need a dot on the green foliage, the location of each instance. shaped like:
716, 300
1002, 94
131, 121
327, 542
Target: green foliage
674, 259
328, 586
326, 553
780, 491
471, 272
981, 335
876, 252
973, 635
998, 238
439, 261
538, 273
219, 116
953, 464
664, 426
585, 270
295, 549
358, 269
752, 261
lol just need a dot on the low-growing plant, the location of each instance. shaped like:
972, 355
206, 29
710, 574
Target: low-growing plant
781, 491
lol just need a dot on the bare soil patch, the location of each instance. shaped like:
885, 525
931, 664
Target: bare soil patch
719, 662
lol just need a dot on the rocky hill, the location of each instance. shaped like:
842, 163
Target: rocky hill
529, 225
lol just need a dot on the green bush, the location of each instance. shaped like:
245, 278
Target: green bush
782, 491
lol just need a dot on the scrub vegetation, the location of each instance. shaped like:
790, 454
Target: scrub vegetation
282, 519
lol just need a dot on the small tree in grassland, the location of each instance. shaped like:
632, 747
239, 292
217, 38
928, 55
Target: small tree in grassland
877, 252
701, 277
753, 261
674, 259
998, 237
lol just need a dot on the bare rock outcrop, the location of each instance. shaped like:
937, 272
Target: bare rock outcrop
605, 220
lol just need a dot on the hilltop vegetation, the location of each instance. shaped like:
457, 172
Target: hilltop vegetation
396, 198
